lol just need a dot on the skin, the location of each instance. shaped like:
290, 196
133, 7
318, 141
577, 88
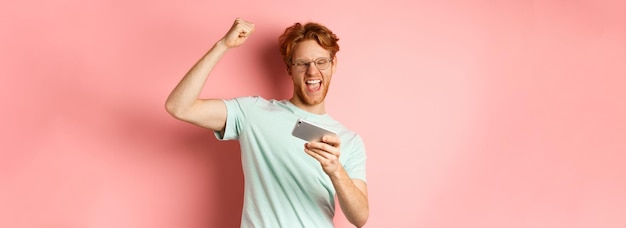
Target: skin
311, 101
184, 104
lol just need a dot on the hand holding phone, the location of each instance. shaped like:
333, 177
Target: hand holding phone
308, 131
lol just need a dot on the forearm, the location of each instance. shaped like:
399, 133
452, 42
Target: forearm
186, 93
353, 201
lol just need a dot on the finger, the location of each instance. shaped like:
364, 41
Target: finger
324, 146
248, 25
320, 155
312, 153
245, 27
332, 140
315, 155
323, 149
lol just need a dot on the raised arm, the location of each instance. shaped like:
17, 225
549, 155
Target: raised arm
184, 103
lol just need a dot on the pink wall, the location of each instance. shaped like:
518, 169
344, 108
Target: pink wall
475, 113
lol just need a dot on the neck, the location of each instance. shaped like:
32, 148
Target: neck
312, 108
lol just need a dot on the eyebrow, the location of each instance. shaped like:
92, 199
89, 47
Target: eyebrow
303, 59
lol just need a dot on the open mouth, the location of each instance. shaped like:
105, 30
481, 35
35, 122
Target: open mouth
314, 85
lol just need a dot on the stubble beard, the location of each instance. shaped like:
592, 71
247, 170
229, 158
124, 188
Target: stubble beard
307, 100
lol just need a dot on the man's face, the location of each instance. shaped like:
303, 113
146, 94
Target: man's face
309, 82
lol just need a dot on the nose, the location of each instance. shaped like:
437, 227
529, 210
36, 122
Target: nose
311, 68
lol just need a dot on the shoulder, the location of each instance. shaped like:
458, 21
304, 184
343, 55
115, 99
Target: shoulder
347, 135
247, 101
255, 105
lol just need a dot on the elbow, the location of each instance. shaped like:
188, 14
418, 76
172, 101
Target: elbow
361, 220
170, 108
174, 110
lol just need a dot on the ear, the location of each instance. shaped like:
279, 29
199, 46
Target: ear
334, 67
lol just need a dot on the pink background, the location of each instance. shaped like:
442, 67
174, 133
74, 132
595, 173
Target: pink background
474, 113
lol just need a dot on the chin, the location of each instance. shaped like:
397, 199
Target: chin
310, 101
316, 102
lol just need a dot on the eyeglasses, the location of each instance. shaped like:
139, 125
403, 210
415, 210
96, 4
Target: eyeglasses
302, 65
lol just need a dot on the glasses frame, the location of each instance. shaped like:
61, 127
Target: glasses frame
306, 65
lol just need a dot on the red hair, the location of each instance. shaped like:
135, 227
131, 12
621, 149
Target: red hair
309, 31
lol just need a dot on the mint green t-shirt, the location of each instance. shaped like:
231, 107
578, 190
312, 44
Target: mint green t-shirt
284, 186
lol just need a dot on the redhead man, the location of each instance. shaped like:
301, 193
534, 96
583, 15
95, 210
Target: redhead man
288, 182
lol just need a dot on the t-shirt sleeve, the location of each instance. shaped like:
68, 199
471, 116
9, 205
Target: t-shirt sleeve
236, 117
355, 162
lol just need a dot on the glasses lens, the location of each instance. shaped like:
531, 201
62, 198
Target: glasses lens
301, 66
322, 63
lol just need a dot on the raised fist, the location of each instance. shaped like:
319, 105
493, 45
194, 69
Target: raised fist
238, 33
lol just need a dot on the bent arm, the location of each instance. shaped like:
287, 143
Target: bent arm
351, 193
352, 196
183, 102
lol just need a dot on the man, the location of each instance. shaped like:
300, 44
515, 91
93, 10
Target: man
284, 184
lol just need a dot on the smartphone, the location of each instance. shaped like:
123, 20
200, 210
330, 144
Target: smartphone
308, 131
